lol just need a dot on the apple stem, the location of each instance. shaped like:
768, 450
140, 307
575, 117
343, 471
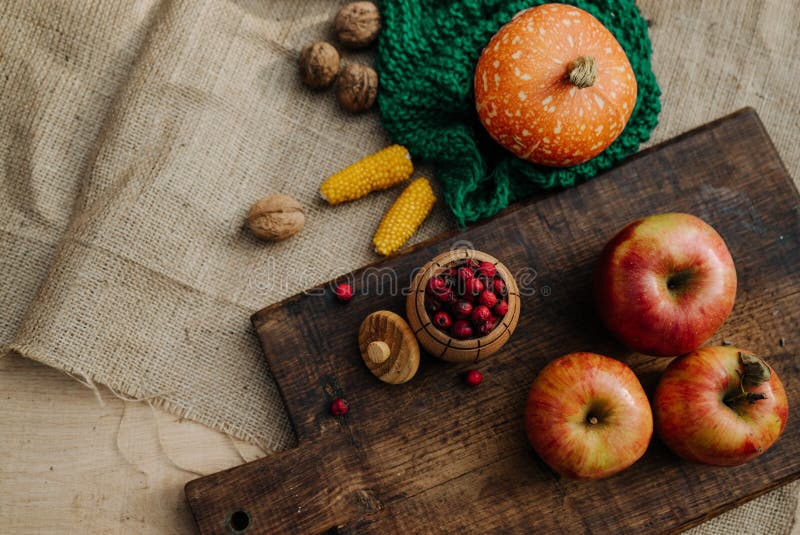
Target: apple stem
593, 420
751, 397
755, 372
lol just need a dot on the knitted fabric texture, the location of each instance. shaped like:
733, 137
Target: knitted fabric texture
427, 54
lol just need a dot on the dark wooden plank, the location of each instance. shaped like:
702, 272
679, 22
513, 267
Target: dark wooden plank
433, 455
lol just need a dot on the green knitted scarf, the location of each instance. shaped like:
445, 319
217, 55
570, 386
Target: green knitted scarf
427, 54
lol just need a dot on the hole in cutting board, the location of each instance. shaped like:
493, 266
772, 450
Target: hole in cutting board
238, 521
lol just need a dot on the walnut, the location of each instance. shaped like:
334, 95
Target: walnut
319, 64
357, 24
357, 87
276, 217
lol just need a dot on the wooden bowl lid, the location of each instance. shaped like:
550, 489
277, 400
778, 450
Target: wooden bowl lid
388, 346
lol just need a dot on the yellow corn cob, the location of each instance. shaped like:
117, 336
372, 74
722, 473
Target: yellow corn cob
381, 170
404, 217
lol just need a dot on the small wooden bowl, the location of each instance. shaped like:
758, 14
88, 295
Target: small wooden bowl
441, 344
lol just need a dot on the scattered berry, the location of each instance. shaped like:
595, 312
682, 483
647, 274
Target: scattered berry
339, 407
473, 286
500, 309
473, 378
442, 320
480, 314
487, 298
487, 269
462, 308
499, 286
462, 329
344, 292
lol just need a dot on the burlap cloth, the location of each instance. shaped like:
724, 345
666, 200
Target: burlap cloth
134, 136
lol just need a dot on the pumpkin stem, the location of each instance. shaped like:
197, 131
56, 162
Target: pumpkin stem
583, 72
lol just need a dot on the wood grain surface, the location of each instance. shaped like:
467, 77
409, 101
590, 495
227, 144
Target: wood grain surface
433, 456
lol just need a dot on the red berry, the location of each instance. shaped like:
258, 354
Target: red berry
450, 272
437, 288
435, 285
344, 292
465, 273
473, 378
462, 329
473, 286
501, 309
487, 269
339, 407
462, 308
499, 286
442, 320
487, 298
433, 305
450, 276
481, 314
485, 327
446, 296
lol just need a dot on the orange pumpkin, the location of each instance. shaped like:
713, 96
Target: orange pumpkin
554, 87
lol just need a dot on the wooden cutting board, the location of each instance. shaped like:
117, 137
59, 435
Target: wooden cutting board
434, 456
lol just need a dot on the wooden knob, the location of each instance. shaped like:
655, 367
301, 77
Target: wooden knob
388, 346
378, 351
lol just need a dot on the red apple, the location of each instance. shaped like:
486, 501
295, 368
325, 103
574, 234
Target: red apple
665, 283
587, 416
719, 405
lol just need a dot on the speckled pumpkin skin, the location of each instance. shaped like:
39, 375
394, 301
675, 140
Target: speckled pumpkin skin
524, 97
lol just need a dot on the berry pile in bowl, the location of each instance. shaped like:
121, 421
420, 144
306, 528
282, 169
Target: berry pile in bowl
467, 299
463, 305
